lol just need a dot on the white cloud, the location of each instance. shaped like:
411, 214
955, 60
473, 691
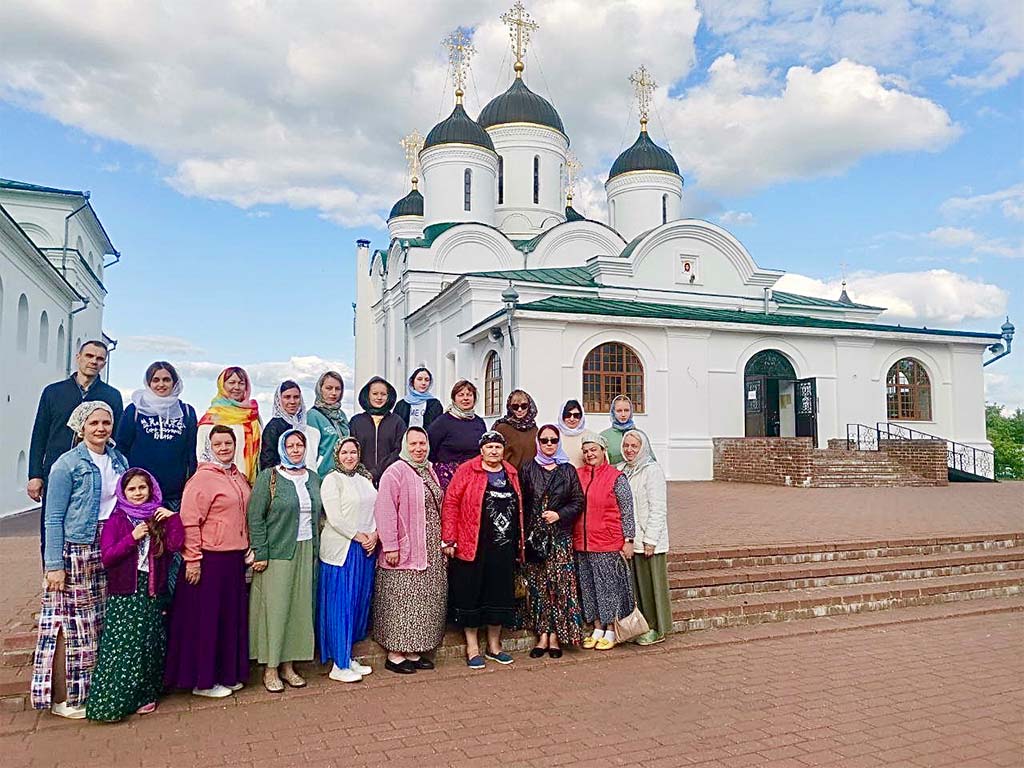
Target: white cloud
168, 346
1000, 72
1005, 390
738, 132
936, 297
736, 218
1010, 202
961, 237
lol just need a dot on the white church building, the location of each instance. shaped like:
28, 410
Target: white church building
52, 253
491, 275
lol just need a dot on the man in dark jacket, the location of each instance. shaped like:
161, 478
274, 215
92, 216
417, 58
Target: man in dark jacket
51, 436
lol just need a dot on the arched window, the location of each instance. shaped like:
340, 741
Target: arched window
501, 180
467, 190
536, 179
61, 349
44, 337
908, 391
611, 214
664, 209
23, 323
492, 385
609, 370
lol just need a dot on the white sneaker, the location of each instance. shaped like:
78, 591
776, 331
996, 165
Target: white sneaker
217, 692
344, 675
72, 713
235, 687
359, 669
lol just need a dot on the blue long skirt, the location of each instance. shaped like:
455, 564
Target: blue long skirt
344, 595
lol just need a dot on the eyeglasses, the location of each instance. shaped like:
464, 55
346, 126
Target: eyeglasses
548, 440
519, 406
574, 415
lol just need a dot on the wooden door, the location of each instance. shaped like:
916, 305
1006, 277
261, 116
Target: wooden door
806, 406
754, 391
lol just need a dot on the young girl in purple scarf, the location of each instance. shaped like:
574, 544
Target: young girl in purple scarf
137, 544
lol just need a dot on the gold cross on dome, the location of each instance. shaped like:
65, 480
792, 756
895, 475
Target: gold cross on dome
520, 24
572, 170
460, 52
412, 144
643, 85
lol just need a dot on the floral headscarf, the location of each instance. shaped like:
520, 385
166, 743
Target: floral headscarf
360, 468
525, 423
298, 419
407, 457
76, 421
645, 457
283, 454
333, 413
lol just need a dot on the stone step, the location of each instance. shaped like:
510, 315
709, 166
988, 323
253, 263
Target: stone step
738, 610
815, 552
776, 578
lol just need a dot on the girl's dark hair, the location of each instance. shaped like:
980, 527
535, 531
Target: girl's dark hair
299, 434
223, 429
570, 405
462, 384
417, 373
288, 384
551, 428
136, 472
162, 365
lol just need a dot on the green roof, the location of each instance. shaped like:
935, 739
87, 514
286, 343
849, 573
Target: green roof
631, 246
620, 308
458, 128
576, 276
23, 186
644, 155
383, 258
799, 300
520, 105
410, 205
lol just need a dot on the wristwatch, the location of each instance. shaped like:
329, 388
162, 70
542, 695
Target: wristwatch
629, 541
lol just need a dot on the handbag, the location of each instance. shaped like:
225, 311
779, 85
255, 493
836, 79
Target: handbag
632, 625
541, 540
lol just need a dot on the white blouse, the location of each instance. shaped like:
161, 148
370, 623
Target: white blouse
348, 505
305, 503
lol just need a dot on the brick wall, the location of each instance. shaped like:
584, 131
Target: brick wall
766, 460
838, 444
925, 458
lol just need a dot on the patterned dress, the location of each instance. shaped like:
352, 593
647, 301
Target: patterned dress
606, 582
409, 607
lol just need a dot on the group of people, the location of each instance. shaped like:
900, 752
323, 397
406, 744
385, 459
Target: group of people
177, 548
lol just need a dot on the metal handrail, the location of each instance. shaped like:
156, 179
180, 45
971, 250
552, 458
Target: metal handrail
960, 457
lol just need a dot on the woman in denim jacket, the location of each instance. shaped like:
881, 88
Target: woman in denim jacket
79, 497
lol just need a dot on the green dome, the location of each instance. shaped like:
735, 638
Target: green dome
644, 155
520, 105
410, 205
458, 128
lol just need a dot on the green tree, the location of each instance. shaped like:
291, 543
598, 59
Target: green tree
1006, 433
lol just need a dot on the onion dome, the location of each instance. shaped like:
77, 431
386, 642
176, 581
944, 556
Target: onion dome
644, 155
410, 205
520, 105
458, 128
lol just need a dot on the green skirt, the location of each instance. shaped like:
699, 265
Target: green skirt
130, 668
650, 585
281, 609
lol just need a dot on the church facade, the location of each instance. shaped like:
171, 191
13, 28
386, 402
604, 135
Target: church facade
491, 275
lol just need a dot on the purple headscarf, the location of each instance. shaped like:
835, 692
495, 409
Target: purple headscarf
141, 512
560, 456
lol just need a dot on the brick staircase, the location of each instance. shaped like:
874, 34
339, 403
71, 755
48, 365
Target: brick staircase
748, 585
841, 468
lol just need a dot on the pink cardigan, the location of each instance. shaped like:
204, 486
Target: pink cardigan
401, 515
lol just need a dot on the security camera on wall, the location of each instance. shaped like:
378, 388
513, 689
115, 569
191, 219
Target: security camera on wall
495, 334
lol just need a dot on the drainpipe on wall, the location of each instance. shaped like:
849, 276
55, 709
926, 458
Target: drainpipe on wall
67, 226
511, 298
1002, 350
71, 334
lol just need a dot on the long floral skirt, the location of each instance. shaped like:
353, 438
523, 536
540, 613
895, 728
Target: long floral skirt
606, 586
130, 670
78, 610
552, 591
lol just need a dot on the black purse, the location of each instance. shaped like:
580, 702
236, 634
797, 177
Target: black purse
541, 540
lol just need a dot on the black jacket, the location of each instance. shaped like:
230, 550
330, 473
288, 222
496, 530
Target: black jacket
51, 436
379, 445
561, 488
269, 457
434, 409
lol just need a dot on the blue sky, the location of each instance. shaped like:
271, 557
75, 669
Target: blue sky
235, 179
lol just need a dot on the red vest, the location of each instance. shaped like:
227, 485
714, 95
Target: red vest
599, 527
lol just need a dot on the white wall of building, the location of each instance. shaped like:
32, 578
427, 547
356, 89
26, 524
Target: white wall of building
444, 168
641, 200
519, 144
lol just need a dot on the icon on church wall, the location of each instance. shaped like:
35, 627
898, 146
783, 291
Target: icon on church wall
687, 271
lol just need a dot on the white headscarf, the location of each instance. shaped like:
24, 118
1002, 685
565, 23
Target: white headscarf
569, 431
298, 420
149, 403
643, 458
76, 421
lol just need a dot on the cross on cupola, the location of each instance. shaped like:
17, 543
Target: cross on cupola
643, 85
572, 170
412, 144
520, 25
460, 52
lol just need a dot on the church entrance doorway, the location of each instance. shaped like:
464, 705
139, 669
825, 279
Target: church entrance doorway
777, 403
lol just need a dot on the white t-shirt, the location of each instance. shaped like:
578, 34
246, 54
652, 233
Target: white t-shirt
305, 504
144, 555
416, 413
108, 478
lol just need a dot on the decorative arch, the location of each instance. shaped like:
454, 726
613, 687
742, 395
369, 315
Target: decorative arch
595, 236
494, 399
61, 348
770, 363
795, 357
39, 235
44, 337
450, 246
611, 369
908, 391
22, 336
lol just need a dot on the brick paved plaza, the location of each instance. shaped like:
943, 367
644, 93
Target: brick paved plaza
934, 685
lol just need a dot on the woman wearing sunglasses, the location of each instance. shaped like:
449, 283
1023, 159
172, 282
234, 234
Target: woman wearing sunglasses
552, 500
519, 428
572, 423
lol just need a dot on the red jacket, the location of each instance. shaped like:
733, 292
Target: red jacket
599, 528
463, 508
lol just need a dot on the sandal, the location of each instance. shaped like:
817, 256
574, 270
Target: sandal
146, 709
273, 684
295, 680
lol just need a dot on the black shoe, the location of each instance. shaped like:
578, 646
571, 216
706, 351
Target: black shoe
404, 667
538, 652
422, 663
555, 653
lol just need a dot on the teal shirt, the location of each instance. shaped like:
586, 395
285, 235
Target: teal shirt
614, 438
329, 437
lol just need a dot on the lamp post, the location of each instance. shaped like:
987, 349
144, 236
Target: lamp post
510, 297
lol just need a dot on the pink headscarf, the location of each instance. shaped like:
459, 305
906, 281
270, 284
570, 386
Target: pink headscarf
138, 513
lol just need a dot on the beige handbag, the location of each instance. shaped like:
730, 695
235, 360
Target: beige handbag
633, 625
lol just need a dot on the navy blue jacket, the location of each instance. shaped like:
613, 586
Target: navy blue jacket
166, 448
